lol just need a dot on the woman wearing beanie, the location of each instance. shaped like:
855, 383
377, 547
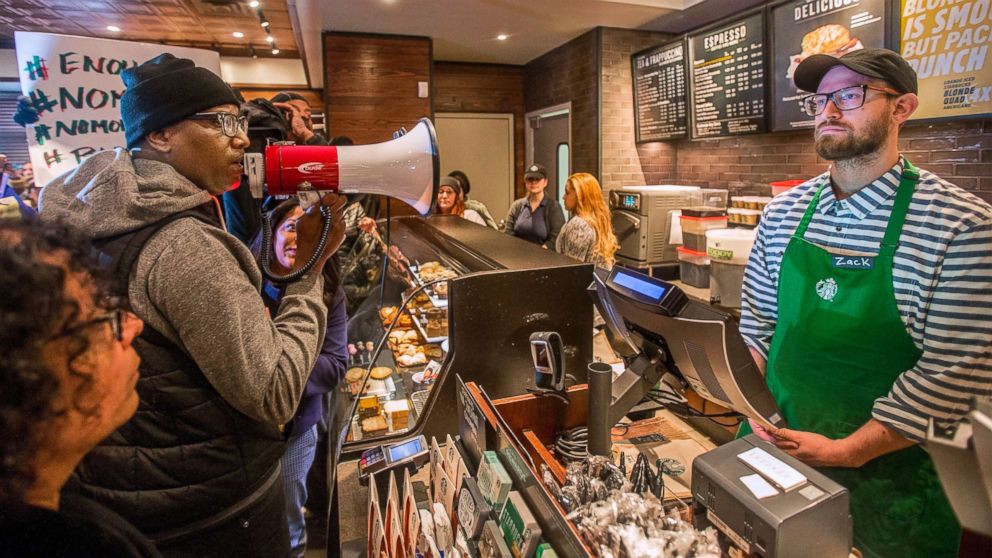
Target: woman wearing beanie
451, 201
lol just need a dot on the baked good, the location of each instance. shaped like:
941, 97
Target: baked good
405, 321
410, 336
398, 335
387, 313
354, 374
411, 360
825, 39
433, 351
381, 372
374, 425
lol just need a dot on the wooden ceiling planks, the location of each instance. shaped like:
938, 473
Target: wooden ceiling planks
195, 23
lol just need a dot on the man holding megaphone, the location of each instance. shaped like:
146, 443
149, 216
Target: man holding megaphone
196, 469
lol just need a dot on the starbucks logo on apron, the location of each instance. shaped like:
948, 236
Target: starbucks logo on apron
826, 288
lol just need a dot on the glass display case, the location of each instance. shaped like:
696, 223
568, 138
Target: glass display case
457, 298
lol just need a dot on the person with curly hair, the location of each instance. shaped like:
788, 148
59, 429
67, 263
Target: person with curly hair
67, 380
588, 235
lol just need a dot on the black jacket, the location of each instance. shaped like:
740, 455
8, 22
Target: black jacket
187, 460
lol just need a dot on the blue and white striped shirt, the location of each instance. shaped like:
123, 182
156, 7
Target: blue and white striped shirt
942, 277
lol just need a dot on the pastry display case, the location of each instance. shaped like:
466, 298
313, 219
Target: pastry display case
456, 298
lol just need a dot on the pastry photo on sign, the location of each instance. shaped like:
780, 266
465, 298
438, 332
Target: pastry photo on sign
833, 39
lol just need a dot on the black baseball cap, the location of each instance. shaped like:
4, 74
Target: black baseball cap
536, 171
879, 63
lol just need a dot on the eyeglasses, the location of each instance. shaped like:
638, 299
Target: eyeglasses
230, 124
114, 317
848, 98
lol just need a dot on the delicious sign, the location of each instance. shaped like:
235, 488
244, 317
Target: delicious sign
74, 83
803, 28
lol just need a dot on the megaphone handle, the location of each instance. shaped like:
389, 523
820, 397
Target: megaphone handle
325, 229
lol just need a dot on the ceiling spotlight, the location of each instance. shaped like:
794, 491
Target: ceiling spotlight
253, 4
275, 51
502, 37
113, 28
238, 34
265, 23
270, 39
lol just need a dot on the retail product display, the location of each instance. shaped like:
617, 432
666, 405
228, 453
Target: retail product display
494, 482
520, 529
619, 516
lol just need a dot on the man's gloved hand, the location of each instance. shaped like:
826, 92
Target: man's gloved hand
308, 231
25, 113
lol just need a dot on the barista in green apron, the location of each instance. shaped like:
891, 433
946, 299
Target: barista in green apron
839, 344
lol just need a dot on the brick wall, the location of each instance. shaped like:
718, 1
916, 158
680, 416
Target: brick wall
958, 151
623, 163
569, 73
466, 87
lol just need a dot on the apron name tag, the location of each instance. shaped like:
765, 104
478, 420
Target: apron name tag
854, 262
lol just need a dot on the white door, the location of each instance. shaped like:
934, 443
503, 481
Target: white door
481, 146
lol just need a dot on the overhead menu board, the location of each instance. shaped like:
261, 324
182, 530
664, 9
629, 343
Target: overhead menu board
803, 28
949, 44
728, 75
660, 95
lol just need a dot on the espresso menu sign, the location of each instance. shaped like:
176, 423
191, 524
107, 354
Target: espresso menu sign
803, 28
660, 94
728, 73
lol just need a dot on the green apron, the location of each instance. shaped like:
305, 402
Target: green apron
840, 344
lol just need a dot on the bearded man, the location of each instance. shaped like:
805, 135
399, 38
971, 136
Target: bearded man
867, 296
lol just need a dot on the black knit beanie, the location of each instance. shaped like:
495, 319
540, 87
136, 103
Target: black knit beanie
166, 90
287, 96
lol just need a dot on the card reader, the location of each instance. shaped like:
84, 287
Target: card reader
393, 456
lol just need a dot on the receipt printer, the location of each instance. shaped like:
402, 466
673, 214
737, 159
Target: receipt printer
769, 504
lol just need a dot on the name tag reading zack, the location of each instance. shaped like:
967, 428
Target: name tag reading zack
854, 262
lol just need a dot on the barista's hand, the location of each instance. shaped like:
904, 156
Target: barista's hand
298, 122
760, 431
308, 231
811, 448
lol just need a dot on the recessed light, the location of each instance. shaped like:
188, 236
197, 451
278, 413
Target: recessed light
265, 23
253, 4
113, 28
270, 39
275, 51
502, 37
238, 34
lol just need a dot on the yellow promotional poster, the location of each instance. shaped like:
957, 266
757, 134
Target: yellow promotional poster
947, 42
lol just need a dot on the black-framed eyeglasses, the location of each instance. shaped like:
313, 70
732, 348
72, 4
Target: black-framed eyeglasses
847, 98
231, 124
114, 317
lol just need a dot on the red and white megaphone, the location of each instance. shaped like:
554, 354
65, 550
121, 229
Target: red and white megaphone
405, 168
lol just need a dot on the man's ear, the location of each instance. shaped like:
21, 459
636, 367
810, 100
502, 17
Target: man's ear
904, 107
160, 140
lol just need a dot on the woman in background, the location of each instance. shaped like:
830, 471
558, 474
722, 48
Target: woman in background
328, 370
451, 201
535, 217
470, 203
588, 235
